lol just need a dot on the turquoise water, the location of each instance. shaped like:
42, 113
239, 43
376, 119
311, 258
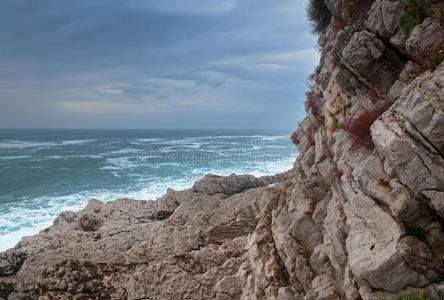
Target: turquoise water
45, 172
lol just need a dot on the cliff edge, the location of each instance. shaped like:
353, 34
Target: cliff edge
360, 215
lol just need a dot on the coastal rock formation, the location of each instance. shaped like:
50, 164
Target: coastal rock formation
359, 216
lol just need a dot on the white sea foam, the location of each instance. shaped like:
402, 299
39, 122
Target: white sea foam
14, 157
88, 156
149, 140
38, 158
16, 144
274, 138
109, 168
76, 142
121, 162
195, 145
125, 151
25, 144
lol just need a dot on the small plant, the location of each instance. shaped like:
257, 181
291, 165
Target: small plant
419, 233
313, 103
289, 184
395, 77
438, 244
418, 294
349, 6
356, 7
359, 129
415, 12
436, 59
340, 126
334, 123
319, 15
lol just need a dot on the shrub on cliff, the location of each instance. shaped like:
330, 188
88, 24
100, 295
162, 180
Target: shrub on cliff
313, 102
418, 294
319, 15
415, 12
359, 128
356, 8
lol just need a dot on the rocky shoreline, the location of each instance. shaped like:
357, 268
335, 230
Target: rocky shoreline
353, 219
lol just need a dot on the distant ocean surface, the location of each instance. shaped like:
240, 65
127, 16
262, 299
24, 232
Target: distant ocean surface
45, 172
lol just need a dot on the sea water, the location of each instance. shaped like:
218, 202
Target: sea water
45, 172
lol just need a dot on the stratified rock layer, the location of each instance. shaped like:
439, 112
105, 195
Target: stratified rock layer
347, 222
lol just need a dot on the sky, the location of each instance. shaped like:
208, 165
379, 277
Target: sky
154, 63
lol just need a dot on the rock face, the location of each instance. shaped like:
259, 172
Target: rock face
346, 222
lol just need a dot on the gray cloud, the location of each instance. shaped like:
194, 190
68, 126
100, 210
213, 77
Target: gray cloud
154, 64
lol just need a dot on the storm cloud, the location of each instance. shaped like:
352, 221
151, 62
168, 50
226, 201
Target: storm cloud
154, 64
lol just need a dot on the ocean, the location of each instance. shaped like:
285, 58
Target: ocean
45, 172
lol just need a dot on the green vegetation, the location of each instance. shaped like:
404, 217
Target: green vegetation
319, 15
341, 125
349, 6
438, 244
395, 77
289, 184
436, 59
419, 294
415, 12
419, 233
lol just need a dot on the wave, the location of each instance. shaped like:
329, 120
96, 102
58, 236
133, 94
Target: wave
26, 144
150, 140
125, 151
109, 168
77, 142
16, 144
28, 217
274, 138
14, 157
121, 162
49, 157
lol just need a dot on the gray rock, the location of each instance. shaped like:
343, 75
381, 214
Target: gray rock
90, 222
383, 18
425, 39
368, 58
230, 185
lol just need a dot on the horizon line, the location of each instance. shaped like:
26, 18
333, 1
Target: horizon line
25, 128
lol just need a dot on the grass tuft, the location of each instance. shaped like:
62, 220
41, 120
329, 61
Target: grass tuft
436, 59
415, 12
359, 129
418, 294
319, 15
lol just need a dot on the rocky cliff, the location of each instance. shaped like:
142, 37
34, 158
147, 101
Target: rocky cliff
360, 216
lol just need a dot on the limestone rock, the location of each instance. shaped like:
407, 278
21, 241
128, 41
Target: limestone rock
382, 18
426, 39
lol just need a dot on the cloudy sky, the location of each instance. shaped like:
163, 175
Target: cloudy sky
154, 63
